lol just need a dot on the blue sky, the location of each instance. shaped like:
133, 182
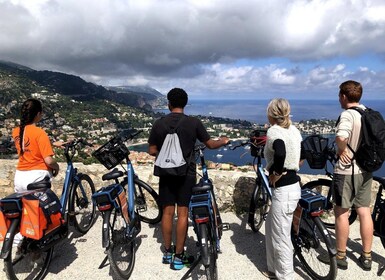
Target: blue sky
218, 49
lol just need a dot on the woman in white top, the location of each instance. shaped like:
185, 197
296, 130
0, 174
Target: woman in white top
282, 153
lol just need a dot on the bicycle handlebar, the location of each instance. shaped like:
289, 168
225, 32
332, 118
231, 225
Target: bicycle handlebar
241, 144
201, 146
129, 134
258, 143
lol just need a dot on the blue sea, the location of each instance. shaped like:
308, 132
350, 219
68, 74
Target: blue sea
255, 111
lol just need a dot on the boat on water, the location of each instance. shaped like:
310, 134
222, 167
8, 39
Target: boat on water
219, 155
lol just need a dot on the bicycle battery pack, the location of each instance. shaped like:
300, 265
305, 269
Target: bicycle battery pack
112, 196
311, 201
10, 207
200, 201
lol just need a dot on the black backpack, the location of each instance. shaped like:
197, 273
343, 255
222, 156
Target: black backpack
370, 153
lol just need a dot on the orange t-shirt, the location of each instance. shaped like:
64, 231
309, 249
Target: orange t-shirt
37, 146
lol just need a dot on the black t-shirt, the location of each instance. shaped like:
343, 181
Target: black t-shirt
189, 130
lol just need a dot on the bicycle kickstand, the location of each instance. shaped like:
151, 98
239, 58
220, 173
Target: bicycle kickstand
381, 270
103, 263
192, 267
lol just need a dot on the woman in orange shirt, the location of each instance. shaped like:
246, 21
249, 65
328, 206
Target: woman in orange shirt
33, 147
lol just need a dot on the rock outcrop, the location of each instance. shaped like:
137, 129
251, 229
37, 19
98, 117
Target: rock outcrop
233, 188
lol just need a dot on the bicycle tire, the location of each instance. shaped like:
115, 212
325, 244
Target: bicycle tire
323, 186
121, 254
208, 252
146, 202
381, 226
81, 208
313, 241
29, 264
259, 207
211, 270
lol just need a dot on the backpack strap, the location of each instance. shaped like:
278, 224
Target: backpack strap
173, 130
361, 111
178, 123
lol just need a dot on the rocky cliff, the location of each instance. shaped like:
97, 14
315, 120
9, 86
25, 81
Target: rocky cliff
233, 189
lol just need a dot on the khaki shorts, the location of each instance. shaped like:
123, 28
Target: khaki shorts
344, 194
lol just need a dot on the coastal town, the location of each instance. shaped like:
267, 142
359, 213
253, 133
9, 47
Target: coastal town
99, 130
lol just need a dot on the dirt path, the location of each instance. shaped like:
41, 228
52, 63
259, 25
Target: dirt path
242, 257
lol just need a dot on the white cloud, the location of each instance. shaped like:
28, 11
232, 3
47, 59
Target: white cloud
198, 44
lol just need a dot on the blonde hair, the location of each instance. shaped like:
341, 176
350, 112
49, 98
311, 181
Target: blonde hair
279, 110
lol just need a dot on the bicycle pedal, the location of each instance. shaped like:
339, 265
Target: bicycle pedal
225, 226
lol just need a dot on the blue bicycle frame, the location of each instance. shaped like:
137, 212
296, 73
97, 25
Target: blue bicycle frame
72, 178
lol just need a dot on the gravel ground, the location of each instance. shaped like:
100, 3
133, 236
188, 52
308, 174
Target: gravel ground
242, 257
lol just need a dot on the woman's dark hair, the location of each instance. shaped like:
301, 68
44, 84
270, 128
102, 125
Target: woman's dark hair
177, 98
30, 108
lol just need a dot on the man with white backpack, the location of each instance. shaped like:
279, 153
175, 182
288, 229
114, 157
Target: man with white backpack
177, 175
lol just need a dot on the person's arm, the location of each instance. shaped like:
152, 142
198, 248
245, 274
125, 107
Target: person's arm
276, 171
279, 155
342, 149
215, 144
343, 133
153, 150
51, 163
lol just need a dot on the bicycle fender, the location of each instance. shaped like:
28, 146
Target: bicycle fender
105, 230
321, 181
329, 242
7, 243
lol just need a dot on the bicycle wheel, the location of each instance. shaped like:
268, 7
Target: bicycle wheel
80, 205
259, 207
120, 252
208, 252
323, 187
146, 202
314, 248
381, 227
22, 263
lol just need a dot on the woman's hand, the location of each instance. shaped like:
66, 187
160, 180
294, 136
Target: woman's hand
273, 178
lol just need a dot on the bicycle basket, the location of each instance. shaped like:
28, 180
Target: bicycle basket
111, 153
258, 138
315, 148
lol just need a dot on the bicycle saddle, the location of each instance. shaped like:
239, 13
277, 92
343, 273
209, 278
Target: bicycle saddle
43, 184
202, 187
112, 175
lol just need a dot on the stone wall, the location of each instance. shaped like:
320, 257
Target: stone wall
233, 189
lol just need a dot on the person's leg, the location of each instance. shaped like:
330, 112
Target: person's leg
362, 202
342, 227
268, 240
286, 199
181, 228
343, 198
366, 228
167, 223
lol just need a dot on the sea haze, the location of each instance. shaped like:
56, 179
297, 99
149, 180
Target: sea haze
255, 110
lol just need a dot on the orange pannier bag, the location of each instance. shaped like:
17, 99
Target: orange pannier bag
4, 225
10, 208
41, 214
